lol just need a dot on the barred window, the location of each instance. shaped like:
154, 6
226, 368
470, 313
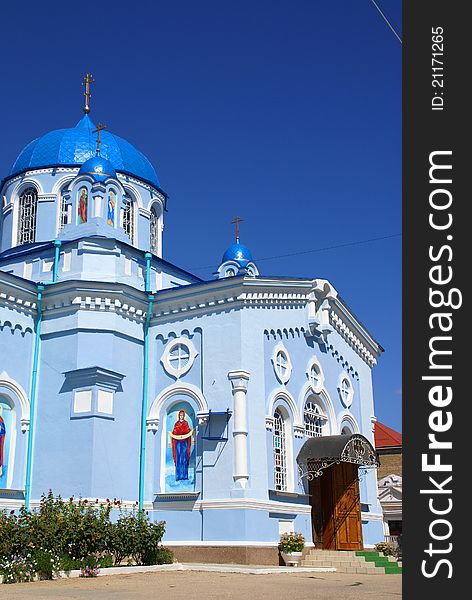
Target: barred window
27, 210
314, 419
280, 452
154, 235
64, 213
128, 219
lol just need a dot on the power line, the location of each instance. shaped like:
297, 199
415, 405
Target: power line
387, 21
347, 244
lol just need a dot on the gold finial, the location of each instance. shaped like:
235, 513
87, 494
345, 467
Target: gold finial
237, 220
100, 127
88, 79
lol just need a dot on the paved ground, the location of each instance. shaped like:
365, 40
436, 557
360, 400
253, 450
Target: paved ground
188, 585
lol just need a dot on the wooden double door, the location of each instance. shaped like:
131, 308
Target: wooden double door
336, 508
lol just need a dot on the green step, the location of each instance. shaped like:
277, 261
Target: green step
393, 570
380, 561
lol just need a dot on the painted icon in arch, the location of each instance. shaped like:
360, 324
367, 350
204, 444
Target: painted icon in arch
6, 431
111, 208
180, 449
82, 206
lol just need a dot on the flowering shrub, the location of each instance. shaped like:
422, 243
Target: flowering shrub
291, 542
17, 569
76, 534
387, 549
89, 567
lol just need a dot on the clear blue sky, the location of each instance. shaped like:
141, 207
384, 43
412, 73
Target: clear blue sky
287, 113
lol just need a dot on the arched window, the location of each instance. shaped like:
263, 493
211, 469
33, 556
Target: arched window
27, 209
65, 210
346, 391
128, 218
314, 419
154, 231
280, 452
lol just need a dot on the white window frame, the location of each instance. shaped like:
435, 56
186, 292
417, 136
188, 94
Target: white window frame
129, 206
283, 372
25, 236
279, 450
345, 389
154, 224
314, 365
168, 360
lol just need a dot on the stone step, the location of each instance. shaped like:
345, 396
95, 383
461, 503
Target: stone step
338, 565
348, 560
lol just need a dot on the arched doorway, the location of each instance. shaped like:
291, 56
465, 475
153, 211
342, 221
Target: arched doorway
330, 465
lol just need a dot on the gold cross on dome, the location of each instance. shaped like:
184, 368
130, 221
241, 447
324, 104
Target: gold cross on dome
100, 127
88, 79
237, 220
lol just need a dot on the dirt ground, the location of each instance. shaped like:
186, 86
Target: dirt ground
187, 585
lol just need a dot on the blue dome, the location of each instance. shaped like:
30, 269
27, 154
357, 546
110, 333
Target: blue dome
74, 146
99, 168
239, 253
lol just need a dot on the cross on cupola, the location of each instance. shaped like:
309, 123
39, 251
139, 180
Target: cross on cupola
88, 79
100, 127
236, 221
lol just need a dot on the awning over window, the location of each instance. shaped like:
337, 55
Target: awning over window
319, 453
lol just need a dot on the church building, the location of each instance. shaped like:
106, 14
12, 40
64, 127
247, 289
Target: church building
235, 409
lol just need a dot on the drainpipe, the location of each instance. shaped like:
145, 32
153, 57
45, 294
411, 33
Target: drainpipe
142, 456
57, 245
148, 257
34, 376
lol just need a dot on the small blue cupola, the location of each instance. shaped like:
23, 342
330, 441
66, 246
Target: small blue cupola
237, 260
99, 168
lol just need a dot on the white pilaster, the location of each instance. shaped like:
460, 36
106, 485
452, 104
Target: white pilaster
239, 381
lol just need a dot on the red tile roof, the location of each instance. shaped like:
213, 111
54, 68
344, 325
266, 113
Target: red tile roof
385, 437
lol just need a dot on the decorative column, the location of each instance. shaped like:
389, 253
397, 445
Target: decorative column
239, 380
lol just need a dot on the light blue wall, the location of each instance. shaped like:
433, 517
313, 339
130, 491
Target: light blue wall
94, 319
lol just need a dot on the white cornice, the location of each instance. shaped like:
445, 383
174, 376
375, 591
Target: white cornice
235, 504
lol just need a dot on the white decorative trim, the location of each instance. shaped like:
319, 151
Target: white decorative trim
322, 398
232, 543
239, 380
366, 516
346, 416
186, 389
20, 394
352, 339
314, 363
166, 356
237, 504
279, 349
284, 395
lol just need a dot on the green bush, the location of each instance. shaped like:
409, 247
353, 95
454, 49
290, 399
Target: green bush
76, 534
46, 563
163, 556
134, 536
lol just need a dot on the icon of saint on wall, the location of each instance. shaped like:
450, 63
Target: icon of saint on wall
111, 208
181, 446
82, 208
3, 433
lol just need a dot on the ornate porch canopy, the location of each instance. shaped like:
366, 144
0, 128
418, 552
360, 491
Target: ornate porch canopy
319, 453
